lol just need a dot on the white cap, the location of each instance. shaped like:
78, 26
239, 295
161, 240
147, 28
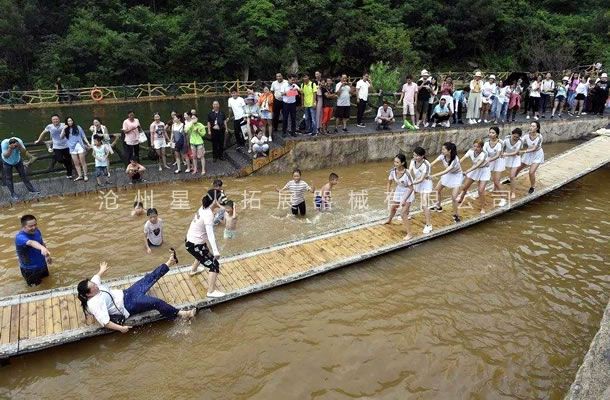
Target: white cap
565, 78
478, 73
492, 76
424, 72
604, 75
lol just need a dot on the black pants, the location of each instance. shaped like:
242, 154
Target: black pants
599, 102
132, 152
526, 103
458, 109
289, 110
298, 209
544, 100
7, 176
278, 107
239, 137
437, 118
218, 142
62, 156
34, 277
361, 109
535, 104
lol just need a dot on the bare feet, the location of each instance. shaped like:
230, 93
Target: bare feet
388, 222
408, 237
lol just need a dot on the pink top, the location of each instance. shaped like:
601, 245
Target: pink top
574, 83
409, 92
132, 133
446, 89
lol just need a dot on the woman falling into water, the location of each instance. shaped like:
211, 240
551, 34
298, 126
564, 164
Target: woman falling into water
479, 172
534, 155
404, 194
422, 183
451, 177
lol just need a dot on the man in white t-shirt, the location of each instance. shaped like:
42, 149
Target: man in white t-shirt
362, 88
408, 96
278, 86
385, 116
343, 90
547, 93
199, 235
289, 104
236, 107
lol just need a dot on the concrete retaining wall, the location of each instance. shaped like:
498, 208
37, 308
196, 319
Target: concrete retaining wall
329, 151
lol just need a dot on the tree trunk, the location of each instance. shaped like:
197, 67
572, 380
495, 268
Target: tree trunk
245, 73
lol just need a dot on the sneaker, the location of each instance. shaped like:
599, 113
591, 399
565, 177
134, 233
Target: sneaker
502, 203
531, 190
527, 117
187, 170
69, 177
536, 118
14, 197
177, 171
558, 116
486, 121
426, 124
360, 125
270, 138
436, 208
570, 113
416, 127
216, 294
344, 130
447, 124
478, 121
456, 218
552, 116
584, 113
255, 155
160, 168
433, 125
427, 229
543, 116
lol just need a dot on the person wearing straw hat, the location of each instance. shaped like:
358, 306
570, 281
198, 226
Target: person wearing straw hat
560, 97
473, 112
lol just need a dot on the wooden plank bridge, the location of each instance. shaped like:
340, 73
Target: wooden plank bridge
34, 321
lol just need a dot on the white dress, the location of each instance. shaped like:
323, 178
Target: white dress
509, 147
534, 157
402, 191
454, 177
482, 173
423, 170
498, 164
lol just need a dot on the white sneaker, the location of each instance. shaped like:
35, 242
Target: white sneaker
216, 294
502, 203
427, 229
486, 121
187, 170
447, 124
426, 125
583, 113
434, 124
160, 168
416, 126
478, 121
270, 138
527, 117
536, 118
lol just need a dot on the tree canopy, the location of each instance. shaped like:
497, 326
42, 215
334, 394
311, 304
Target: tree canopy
113, 42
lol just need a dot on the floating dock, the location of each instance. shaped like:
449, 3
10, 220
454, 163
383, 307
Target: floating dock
39, 320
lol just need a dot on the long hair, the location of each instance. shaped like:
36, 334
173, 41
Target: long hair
496, 129
420, 151
83, 290
452, 150
211, 196
537, 126
402, 158
74, 130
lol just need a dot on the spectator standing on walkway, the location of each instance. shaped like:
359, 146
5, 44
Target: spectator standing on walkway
61, 154
289, 106
78, 145
488, 94
131, 131
424, 94
159, 139
362, 89
535, 93
328, 98
600, 97
11, 158
408, 96
236, 107
309, 92
473, 113
560, 97
343, 90
460, 102
574, 81
546, 95
514, 101
265, 105
217, 125
278, 87
32, 253
319, 99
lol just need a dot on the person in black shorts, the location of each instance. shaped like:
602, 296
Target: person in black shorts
297, 189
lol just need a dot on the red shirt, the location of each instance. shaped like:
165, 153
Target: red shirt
447, 89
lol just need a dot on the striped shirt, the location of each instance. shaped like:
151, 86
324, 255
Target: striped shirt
297, 191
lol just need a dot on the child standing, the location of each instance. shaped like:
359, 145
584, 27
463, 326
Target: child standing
323, 197
153, 230
100, 153
297, 189
230, 220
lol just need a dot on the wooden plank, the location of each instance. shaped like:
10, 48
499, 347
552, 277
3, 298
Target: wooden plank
14, 335
5, 325
175, 292
231, 277
74, 309
65, 313
40, 321
48, 316
246, 276
56, 314
32, 323
260, 274
186, 288
23, 321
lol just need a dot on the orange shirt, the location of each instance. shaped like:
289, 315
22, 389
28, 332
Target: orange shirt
266, 99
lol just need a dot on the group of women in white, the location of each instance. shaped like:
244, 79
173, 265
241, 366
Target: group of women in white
489, 159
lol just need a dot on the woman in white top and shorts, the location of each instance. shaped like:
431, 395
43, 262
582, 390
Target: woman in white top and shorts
534, 155
478, 172
493, 148
422, 183
158, 135
451, 177
404, 194
512, 156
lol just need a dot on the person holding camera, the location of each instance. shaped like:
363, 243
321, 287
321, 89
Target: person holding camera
11, 158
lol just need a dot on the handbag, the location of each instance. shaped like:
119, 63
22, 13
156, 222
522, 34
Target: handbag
143, 138
118, 319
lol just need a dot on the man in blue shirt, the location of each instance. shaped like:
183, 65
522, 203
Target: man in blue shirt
11, 158
441, 114
31, 251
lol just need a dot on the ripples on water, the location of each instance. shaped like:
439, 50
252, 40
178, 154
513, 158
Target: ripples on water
505, 309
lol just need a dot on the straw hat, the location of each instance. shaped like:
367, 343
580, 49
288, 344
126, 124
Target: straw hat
565, 78
492, 76
477, 74
425, 72
604, 75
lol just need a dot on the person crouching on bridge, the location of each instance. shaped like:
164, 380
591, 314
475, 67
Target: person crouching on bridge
111, 307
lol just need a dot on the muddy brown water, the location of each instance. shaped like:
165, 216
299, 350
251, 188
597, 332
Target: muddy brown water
505, 309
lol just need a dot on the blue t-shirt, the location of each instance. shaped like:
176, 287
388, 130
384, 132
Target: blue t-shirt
15, 156
76, 136
29, 257
55, 131
440, 109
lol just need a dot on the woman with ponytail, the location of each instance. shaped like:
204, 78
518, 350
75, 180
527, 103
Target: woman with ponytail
111, 307
451, 177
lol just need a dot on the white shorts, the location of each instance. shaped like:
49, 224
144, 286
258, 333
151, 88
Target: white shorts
159, 144
424, 187
408, 108
480, 174
400, 195
78, 149
536, 157
497, 165
512, 161
452, 180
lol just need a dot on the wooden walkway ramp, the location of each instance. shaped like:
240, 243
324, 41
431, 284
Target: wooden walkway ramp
39, 320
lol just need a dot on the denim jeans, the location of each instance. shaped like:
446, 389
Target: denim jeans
137, 301
7, 176
501, 110
310, 119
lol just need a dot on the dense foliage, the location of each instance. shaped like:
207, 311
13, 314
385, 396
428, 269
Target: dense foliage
105, 42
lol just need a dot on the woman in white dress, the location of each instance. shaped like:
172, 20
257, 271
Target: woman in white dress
493, 148
534, 155
512, 156
451, 177
404, 195
478, 172
422, 183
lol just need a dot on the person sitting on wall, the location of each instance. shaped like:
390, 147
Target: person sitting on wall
385, 116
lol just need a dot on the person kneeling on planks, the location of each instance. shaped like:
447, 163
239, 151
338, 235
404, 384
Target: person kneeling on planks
111, 307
